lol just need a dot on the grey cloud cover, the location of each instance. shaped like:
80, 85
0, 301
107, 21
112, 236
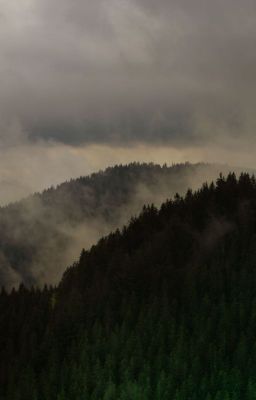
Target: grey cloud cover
123, 71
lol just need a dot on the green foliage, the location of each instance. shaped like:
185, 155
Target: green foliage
164, 310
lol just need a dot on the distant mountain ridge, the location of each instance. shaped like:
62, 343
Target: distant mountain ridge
42, 234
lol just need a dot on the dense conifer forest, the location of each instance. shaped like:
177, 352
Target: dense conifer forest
164, 309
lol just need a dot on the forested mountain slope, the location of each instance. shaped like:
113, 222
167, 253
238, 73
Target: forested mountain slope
164, 309
42, 234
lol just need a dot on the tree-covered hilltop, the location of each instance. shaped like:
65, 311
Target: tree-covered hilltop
164, 309
42, 234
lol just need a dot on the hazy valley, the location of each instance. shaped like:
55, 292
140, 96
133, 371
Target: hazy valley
44, 233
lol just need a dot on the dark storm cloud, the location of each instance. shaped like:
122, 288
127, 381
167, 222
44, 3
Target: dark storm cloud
116, 71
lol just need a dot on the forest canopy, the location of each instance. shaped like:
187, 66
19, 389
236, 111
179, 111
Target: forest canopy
163, 309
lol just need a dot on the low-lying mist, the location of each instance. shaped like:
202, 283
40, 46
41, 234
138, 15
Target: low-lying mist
44, 233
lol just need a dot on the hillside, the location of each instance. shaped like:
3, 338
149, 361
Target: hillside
163, 309
42, 234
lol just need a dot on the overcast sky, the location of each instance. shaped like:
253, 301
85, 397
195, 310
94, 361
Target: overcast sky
87, 83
